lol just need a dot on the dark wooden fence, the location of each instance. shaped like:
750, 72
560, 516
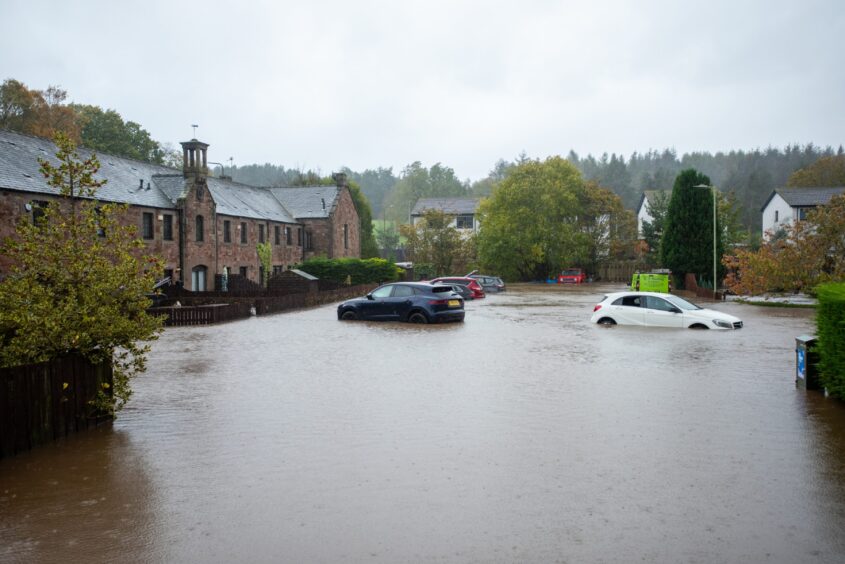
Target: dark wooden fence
206, 308
43, 402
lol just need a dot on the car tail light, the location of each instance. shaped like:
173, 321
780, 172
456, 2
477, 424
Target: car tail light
438, 302
598, 307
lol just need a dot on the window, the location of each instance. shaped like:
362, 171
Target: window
777, 216
630, 301
402, 291
200, 228
243, 233
227, 231
345, 236
277, 234
278, 269
260, 232
198, 275
168, 273
38, 207
309, 241
464, 222
802, 213
242, 271
100, 229
147, 225
382, 292
299, 237
659, 304
288, 236
167, 227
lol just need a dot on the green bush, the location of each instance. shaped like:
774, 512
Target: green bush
830, 324
357, 271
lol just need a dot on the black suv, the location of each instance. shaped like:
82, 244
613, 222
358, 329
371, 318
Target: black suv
415, 302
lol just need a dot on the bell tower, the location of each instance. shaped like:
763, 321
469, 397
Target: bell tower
194, 160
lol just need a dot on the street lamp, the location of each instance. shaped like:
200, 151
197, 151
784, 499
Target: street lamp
713, 188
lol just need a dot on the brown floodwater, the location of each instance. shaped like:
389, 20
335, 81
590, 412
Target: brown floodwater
524, 434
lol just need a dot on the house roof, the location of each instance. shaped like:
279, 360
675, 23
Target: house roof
19, 170
451, 206
805, 197
162, 186
308, 201
649, 195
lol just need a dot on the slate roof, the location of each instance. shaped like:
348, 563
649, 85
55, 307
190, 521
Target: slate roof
649, 195
19, 171
450, 206
806, 197
241, 200
308, 201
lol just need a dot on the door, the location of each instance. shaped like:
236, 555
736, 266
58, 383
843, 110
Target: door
198, 275
660, 313
628, 310
378, 304
401, 302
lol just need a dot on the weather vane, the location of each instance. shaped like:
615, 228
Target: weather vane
195, 126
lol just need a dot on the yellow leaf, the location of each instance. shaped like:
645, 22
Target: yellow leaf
65, 385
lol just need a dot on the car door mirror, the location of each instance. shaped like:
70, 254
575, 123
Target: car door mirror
674, 310
370, 296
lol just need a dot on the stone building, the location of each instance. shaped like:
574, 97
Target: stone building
200, 225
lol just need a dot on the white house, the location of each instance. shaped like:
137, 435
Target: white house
643, 214
787, 205
462, 210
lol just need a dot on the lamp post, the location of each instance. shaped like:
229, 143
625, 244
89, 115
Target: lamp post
713, 188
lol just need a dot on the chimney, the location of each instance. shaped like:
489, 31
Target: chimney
323, 200
339, 179
194, 160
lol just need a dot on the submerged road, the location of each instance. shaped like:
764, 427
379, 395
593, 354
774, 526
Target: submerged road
524, 434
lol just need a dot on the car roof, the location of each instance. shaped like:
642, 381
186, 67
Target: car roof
632, 293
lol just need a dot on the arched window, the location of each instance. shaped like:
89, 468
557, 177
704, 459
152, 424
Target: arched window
200, 228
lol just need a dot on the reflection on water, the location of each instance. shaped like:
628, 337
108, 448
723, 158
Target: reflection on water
523, 434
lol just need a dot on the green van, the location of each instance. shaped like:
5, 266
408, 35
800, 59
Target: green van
650, 282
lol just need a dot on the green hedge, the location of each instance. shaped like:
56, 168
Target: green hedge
830, 324
357, 271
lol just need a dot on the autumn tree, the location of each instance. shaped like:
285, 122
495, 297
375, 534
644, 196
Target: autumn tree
78, 281
827, 171
809, 253
36, 112
434, 241
106, 131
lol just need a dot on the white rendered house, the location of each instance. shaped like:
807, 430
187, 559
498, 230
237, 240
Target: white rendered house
787, 205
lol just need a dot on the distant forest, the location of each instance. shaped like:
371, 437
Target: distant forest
749, 175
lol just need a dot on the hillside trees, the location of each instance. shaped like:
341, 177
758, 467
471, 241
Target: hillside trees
687, 244
79, 280
37, 112
827, 171
107, 132
418, 182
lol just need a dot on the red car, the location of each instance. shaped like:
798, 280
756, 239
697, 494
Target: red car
471, 283
572, 276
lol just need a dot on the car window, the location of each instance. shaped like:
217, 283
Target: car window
630, 301
382, 292
658, 304
402, 291
440, 289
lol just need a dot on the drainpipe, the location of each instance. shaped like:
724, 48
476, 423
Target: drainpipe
181, 213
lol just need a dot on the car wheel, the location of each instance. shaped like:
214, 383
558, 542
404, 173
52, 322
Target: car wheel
349, 315
417, 317
698, 326
606, 321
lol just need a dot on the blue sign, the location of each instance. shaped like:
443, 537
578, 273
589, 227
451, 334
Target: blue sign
801, 364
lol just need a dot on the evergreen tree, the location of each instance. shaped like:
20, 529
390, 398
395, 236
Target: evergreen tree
687, 244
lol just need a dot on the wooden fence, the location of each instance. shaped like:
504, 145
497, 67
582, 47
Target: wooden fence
43, 402
205, 308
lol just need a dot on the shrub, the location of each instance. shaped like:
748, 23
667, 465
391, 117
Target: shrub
356, 271
830, 324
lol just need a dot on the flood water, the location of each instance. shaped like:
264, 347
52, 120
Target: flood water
525, 434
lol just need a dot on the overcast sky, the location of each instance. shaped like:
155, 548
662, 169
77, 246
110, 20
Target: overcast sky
363, 84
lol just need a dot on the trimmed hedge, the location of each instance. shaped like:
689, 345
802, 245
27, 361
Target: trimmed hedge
830, 324
352, 270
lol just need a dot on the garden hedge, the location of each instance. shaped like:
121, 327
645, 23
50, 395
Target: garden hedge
830, 324
355, 271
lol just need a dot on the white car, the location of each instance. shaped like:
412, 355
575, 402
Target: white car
654, 309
